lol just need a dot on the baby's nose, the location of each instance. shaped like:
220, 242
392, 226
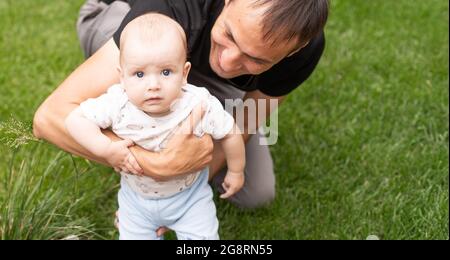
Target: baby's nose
153, 84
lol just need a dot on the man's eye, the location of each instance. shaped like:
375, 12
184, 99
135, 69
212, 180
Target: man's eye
229, 36
259, 62
140, 74
166, 72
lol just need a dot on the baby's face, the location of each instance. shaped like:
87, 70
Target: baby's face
153, 74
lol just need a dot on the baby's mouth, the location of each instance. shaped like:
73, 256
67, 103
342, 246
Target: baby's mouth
153, 100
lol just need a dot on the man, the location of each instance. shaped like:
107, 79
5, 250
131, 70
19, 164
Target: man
239, 49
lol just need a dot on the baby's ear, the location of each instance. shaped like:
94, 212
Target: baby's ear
120, 71
186, 69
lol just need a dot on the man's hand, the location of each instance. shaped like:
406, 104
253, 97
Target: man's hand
121, 159
185, 153
232, 183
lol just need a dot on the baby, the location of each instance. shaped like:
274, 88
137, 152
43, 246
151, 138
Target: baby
152, 99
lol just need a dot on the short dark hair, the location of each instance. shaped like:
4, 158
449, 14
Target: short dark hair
287, 20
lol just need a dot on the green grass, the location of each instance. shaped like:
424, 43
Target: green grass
363, 147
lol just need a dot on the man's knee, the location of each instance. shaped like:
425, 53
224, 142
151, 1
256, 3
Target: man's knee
97, 23
254, 197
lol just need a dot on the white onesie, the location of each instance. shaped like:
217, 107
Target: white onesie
114, 110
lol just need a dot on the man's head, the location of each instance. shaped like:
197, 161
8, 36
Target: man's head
153, 65
251, 36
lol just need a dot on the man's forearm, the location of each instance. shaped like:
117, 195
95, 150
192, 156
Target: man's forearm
49, 125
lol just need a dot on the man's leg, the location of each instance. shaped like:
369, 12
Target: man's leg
259, 187
97, 23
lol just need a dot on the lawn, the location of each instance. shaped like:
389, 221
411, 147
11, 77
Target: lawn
363, 145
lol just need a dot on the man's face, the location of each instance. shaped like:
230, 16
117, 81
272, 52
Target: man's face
237, 46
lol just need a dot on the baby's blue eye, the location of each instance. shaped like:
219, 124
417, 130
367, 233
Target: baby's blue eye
166, 72
140, 74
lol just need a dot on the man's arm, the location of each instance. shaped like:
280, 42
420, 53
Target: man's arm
90, 80
88, 135
218, 161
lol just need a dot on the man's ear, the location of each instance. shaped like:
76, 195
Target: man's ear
186, 69
298, 49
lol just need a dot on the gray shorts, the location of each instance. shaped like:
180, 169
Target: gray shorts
97, 23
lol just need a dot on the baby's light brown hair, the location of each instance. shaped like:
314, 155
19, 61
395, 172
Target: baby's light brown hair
149, 27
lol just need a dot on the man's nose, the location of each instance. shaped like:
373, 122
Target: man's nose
231, 59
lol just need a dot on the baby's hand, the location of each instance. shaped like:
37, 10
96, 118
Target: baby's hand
120, 157
233, 183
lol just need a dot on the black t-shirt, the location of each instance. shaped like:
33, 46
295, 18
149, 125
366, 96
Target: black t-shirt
197, 18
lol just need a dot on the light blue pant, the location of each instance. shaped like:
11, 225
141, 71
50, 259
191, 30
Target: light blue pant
190, 213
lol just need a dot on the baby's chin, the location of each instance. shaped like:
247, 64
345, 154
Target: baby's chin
156, 110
